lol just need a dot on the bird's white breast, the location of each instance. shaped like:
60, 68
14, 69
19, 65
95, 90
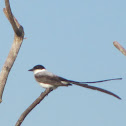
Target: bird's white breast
47, 85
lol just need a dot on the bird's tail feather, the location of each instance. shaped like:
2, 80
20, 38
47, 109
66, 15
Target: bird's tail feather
74, 82
98, 89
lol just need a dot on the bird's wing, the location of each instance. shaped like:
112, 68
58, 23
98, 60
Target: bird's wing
53, 80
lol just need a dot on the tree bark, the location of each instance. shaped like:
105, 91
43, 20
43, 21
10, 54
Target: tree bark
18, 39
119, 47
32, 106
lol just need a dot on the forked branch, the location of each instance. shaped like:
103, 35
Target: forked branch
15, 25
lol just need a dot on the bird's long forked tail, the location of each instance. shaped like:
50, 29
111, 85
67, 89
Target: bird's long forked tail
98, 89
102, 80
83, 84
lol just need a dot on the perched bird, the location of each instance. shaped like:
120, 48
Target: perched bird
49, 80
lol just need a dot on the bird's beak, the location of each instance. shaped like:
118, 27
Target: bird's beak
30, 70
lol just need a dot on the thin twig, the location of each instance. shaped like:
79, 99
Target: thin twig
18, 39
119, 47
32, 106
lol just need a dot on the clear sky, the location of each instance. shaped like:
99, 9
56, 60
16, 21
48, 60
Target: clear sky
73, 39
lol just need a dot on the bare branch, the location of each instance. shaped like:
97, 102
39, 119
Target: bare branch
119, 47
18, 39
16, 29
32, 106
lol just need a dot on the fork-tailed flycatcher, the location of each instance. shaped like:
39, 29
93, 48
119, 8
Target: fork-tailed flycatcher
49, 80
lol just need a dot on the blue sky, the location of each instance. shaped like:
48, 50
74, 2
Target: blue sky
73, 39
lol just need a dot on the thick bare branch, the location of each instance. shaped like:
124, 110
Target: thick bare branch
18, 39
119, 47
32, 106
9, 63
16, 29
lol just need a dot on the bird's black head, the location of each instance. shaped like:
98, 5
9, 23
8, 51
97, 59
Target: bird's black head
39, 67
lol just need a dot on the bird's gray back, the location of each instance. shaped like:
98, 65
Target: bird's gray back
49, 78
